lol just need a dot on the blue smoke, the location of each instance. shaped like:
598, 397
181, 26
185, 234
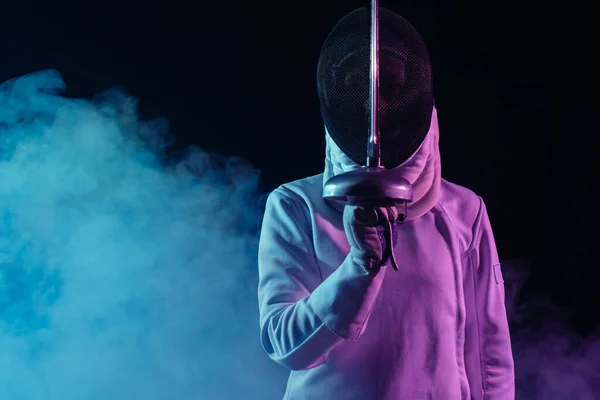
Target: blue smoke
123, 274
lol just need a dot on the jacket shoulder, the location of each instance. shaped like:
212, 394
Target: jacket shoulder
289, 209
307, 190
462, 207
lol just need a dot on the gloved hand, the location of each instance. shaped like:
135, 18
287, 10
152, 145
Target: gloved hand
360, 225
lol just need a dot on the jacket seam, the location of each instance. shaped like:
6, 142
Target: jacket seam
296, 199
475, 297
477, 226
450, 221
289, 385
456, 288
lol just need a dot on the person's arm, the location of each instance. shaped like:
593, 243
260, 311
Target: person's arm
495, 353
302, 316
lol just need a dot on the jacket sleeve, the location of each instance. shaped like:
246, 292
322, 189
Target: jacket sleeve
302, 316
496, 367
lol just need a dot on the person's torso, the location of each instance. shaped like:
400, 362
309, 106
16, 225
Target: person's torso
413, 344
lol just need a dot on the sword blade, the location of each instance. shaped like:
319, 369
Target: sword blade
374, 149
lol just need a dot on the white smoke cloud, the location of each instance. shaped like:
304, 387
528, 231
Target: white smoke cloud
122, 276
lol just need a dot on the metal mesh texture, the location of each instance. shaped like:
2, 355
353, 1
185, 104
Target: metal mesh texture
405, 98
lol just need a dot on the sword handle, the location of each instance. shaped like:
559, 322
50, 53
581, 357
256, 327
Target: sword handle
381, 221
389, 249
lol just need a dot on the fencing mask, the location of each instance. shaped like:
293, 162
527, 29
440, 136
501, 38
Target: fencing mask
405, 94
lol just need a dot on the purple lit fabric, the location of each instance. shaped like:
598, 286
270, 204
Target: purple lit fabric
436, 329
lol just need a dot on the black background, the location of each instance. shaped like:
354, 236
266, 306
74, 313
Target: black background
513, 81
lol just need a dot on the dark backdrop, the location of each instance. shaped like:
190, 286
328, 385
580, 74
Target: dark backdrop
513, 89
